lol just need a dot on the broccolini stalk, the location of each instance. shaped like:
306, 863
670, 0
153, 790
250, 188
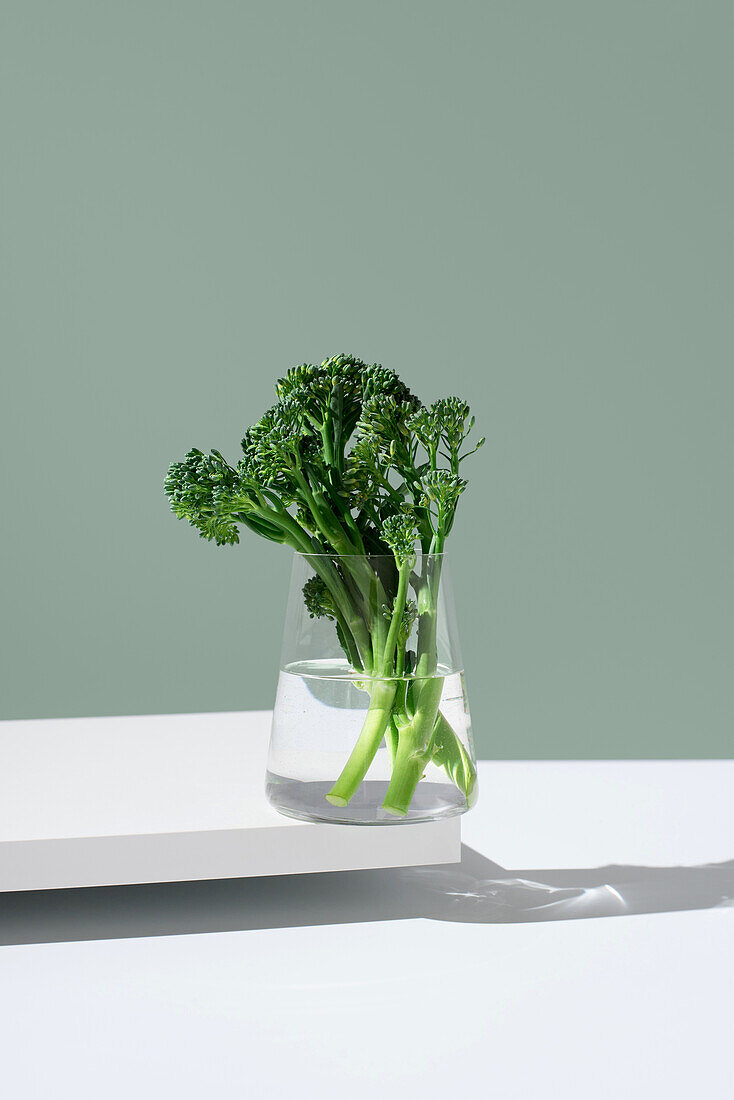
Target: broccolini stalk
415, 736
346, 465
399, 534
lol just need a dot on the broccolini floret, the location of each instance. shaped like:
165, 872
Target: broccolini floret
317, 599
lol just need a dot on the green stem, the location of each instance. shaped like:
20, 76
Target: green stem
325, 569
323, 517
414, 749
383, 692
428, 619
415, 736
391, 738
388, 659
379, 714
451, 754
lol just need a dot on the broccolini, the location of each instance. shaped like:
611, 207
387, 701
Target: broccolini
347, 464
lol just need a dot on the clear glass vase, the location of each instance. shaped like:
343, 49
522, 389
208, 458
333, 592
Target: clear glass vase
371, 723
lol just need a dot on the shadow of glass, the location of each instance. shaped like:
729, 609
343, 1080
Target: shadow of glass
474, 891
480, 892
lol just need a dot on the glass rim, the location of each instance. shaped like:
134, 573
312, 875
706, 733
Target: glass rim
369, 557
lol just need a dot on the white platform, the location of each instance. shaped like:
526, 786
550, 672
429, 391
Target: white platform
109, 801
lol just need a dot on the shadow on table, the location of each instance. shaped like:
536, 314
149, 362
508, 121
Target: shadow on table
475, 891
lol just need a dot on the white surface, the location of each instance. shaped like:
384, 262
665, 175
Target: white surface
587, 813
104, 801
337, 986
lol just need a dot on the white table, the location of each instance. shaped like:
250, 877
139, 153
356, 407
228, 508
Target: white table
460, 980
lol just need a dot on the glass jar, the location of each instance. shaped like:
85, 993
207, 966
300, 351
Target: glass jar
371, 722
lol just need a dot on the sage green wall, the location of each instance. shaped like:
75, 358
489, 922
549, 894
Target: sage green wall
529, 204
